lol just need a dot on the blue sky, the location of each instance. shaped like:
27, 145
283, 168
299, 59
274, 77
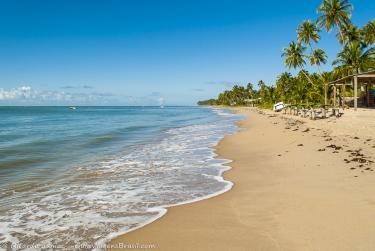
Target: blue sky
146, 52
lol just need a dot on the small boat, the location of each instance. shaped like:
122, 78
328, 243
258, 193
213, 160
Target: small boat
278, 107
72, 108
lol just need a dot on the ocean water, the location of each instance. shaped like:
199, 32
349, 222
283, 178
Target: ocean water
72, 177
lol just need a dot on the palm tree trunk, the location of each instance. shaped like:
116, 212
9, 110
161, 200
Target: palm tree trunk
320, 72
311, 48
308, 78
340, 31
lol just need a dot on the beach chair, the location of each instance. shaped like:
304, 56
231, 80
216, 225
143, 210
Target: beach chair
318, 112
312, 114
295, 111
286, 109
323, 111
305, 111
336, 112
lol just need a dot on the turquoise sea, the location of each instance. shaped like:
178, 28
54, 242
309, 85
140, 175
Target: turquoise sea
86, 175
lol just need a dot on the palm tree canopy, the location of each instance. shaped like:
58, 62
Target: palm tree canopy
368, 33
318, 57
261, 84
354, 58
294, 56
350, 34
250, 88
334, 13
308, 31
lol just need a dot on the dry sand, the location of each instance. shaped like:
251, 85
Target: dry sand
298, 186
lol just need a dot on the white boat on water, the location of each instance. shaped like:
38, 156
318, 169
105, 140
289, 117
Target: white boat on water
72, 108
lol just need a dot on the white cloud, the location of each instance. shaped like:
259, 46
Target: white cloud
26, 95
23, 92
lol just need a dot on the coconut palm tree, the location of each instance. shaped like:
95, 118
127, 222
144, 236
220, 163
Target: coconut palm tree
335, 13
250, 90
368, 33
350, 34
355, 59
283, 86
307, 32
294, 57
318, 57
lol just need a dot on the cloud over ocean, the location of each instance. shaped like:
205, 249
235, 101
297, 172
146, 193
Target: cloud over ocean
26, 95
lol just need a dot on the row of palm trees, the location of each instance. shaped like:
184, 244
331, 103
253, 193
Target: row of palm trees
288, 88
357, 55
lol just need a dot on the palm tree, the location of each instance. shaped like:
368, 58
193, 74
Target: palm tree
283, 86
294, 57
262, 90
350, 34
355, 59
335, 13
250, 90
307, 32
368, 33
318, 57
270, 94
239, 94
299, 87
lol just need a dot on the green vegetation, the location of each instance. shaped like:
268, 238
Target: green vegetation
357, 55
208, 102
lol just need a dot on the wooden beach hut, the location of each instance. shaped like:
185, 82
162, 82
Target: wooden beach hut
364, 81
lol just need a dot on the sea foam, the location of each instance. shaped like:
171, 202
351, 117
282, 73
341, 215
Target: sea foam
97, 201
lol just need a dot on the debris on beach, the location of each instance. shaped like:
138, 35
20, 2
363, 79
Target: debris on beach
334, 147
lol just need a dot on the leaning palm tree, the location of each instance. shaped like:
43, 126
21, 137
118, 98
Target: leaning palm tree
368, 33
335, 13
318, 57
294, 57
355, 59
307, 32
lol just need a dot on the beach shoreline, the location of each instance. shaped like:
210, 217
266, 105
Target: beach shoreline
293, 190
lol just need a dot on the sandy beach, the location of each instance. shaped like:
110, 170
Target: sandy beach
298, 185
